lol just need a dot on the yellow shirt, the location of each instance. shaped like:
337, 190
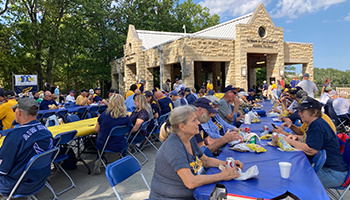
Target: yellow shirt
210, 86
80, 99
305, 126
6, 113
128, 93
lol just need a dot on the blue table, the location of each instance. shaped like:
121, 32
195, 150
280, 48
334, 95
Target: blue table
303, 181
70, 109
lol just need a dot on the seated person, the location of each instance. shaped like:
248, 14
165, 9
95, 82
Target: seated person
19, 146
325, 96
180, 161
243, 102
129, 102
82, 99
70, 97
189, 96
48, 103
115, 115
165, 103
320, 136
96, 97
177, 99
341, 105
131, 91
227, 112
138, 116
7, 115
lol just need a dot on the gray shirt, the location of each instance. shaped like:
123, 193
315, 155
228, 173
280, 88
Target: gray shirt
172, 156
166, 86
180, 102
309, 87
225, 109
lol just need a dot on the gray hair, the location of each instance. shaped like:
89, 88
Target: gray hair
343, 94
177, 116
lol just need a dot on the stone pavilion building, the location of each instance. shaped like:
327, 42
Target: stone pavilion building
227, 54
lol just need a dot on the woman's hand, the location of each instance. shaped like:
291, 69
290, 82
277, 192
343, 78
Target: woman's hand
293, 137
277, 130
239, 164
229, 174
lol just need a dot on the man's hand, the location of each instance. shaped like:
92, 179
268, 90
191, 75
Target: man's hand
286, 125
232, 136
291, 112
236, 101
90, 97
240, 117
292, 137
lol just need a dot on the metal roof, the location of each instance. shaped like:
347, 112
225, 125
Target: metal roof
226, 30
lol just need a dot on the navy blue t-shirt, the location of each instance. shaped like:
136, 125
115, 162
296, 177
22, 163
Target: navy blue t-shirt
155, 107
293, 83
190, 99
97, 98
201, 135
321, 136
265, 86
46, 105
106, 122
250, 98
166, 105
144, 115
19, 146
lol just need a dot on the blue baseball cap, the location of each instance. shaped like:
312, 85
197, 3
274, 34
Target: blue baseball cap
174, 93
251, 90
97, 88
228, 88
309, 103
205, 103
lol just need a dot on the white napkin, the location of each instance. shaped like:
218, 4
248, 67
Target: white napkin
250, 173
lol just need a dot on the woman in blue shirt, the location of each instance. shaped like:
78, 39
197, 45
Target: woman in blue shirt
115, 115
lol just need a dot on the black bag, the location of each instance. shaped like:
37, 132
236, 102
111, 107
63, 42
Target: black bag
71, 162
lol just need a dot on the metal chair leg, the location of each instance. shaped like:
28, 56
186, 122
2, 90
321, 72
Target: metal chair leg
72, 186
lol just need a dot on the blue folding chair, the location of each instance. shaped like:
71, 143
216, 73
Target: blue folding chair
45, 116
319, 160
156, 129
66, 137
62, 112
102, 108
121, 170
38, 162
116, 131
90, 112
80, 112
207, 151
73, 118
336, 193
132, 144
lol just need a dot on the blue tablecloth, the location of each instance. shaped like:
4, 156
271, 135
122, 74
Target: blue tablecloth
70, 109
303, 181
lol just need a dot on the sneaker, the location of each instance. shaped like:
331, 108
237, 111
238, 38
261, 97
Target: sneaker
97, 169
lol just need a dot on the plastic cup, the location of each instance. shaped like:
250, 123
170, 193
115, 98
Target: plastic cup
285, 169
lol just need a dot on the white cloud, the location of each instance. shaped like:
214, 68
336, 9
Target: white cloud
347, 18
294, 8
289, 21
232, 7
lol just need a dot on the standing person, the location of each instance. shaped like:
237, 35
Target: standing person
6, 113
297, 81
282, 83
181, 86
325, 84
203, 86
178, 101
48, 103
210, 87
265, 89
20, 145
83, 99
70, 97
115, 115
166, 85
189, 96
180, 161
293, 83
57, 90
308, 86
165, 103
141, 85
176, 85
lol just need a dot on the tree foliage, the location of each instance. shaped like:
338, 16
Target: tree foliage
72, 42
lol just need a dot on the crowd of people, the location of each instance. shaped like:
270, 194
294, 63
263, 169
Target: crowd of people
195, 121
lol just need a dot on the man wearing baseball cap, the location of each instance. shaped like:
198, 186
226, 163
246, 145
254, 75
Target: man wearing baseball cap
227, 112
141, 85
20, 145
82, 99
308, 85
189, 96
166, 85
70, 97
317, 137
178, 101
6, 113
96, 97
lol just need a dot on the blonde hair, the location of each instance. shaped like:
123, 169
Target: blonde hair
116, 107
142, 100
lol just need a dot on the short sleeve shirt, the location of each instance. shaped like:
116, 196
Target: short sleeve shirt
341, 106
96, 98
70, 99
190, 99
293, 83
81, 99
172, 156
309, 87
6, 113
180, 102
321, 136
155, 108
46, 105
106, 122
19, 146
210, 86
225, 109
201, 135
265, 86
143, 114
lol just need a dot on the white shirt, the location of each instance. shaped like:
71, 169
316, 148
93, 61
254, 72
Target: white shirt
293, 105
70, 99
309, 87
341, 106
324, 98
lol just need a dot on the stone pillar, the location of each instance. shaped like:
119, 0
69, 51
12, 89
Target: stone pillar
252, 77
166, 73
149, 79
309, 70
130, 74
189, 80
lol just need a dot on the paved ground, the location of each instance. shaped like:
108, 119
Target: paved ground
97, 186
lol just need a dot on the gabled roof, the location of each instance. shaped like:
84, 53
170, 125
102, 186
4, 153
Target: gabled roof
226, 30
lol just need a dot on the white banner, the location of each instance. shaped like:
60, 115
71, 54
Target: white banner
21, 80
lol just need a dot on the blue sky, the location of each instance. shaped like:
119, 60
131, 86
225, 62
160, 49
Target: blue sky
325, 23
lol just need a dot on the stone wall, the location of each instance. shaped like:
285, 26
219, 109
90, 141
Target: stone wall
300, 53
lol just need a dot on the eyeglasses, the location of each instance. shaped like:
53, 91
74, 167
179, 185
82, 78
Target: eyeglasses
49, 95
